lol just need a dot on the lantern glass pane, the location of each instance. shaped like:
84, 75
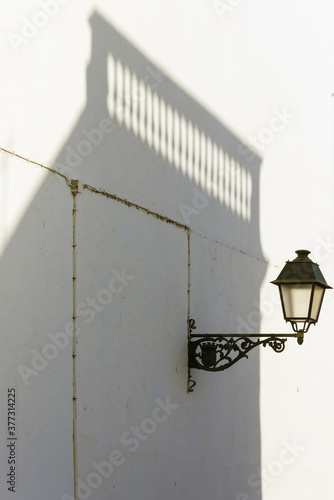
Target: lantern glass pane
317, 299
296, 299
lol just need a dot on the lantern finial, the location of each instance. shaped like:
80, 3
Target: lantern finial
302, 256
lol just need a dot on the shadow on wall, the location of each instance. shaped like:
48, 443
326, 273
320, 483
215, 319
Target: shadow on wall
144, 128
144, 139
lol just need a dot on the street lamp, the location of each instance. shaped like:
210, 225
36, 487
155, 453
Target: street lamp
302, 288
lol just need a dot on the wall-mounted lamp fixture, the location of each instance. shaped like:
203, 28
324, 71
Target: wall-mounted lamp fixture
302, 288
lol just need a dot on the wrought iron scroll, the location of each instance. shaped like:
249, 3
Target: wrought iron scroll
217, 352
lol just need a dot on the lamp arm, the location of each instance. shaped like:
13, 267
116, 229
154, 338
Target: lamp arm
217, 352
234, 335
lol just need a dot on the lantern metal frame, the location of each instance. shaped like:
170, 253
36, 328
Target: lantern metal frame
217, 351
302, 271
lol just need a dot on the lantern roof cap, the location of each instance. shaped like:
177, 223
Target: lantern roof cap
302, 270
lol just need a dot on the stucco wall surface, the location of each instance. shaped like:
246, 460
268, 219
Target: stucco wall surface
160, 161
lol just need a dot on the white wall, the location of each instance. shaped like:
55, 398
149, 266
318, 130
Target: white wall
201, 136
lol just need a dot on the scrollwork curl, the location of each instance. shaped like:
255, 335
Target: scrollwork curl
277, 344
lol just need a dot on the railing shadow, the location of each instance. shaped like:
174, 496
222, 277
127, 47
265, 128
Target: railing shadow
145, 128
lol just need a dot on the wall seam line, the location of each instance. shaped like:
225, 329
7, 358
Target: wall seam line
124, 201
232, 248
131, 204
188, 312
164, 218
74, 190
49, 169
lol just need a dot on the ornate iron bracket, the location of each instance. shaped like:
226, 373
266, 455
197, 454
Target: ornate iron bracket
217, 352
